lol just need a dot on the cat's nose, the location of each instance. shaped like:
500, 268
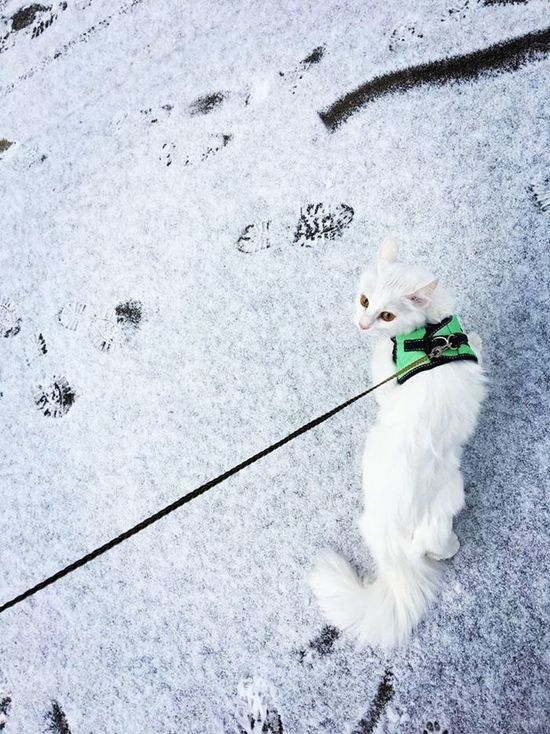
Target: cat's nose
363, 327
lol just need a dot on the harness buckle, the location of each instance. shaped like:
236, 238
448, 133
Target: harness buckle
441, 344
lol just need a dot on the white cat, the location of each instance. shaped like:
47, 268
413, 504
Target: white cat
411, 466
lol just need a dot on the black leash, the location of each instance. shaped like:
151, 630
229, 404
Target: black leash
195, 493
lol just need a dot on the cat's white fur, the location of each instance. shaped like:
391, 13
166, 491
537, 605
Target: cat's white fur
412, 482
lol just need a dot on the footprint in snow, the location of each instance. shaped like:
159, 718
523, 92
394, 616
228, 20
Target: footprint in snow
20, 156
203, 151
295, 75
319, 223
540, 191
52, 395
10, 319
56, 720
206, 104
316, 223
153, 116
459, 11
254, 711
107, 329
433, 727
255, 237
404, 35
167, 153
31, 20
322, 645
5, 707
55, 398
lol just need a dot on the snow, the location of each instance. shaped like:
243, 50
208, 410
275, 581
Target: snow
238, 344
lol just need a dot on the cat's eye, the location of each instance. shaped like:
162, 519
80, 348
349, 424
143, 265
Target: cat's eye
387, 316
364, 301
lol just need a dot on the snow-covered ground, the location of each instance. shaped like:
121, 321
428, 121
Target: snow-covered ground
169, 305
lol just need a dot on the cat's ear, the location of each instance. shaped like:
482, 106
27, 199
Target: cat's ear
422, 296
388, 252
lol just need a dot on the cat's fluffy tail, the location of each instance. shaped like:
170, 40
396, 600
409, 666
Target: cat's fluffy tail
382, 612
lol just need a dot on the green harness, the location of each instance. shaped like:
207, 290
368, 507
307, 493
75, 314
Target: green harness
442, 343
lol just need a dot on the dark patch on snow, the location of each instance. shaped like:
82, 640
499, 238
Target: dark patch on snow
272, 723
55, 400
295, 75
41, 344
57, 721
432, 727
5, 704
323, 644
314, 57
540, 193
129, 313
501, 57
5, 144
317, 222
505, 2
205, 105
258, 723
42, 25
25, 16
166, 154
384, 694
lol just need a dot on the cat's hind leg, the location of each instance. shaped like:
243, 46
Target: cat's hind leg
434, 535
445, 550
435, 538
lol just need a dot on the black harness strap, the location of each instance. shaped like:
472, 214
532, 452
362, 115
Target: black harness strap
428, 343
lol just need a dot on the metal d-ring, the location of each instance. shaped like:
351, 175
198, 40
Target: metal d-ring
442, 343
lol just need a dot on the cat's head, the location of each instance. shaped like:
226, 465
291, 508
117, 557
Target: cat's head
395, 298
